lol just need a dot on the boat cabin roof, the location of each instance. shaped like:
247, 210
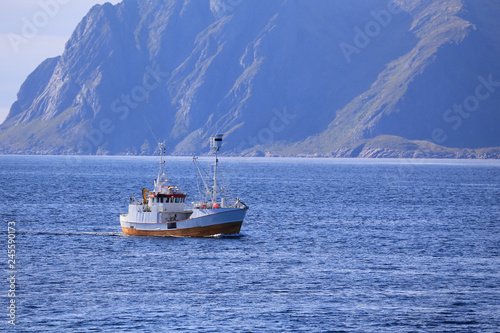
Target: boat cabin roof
163, 195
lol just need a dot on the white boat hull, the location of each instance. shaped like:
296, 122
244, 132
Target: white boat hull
201, 223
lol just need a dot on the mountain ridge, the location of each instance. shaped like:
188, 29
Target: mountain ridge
279, 77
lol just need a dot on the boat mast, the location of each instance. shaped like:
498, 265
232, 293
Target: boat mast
215, 144
161, 148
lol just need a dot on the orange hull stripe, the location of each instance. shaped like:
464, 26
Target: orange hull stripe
225, 229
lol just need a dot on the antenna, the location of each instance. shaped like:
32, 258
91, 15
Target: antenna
161, 148
215, 145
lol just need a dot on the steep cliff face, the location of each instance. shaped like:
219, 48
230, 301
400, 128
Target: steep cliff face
442, 99
417, 94
285, 77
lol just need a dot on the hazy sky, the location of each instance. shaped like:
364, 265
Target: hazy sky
30, 32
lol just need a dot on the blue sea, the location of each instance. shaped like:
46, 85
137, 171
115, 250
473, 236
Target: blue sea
328, 245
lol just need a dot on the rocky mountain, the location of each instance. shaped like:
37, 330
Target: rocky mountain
385, 78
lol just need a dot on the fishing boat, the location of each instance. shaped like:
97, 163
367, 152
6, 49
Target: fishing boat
164, 212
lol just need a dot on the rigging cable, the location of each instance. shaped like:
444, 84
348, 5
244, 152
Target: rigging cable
198, 183
147, 123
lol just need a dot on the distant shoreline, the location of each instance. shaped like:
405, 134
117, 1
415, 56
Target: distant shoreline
274, 156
